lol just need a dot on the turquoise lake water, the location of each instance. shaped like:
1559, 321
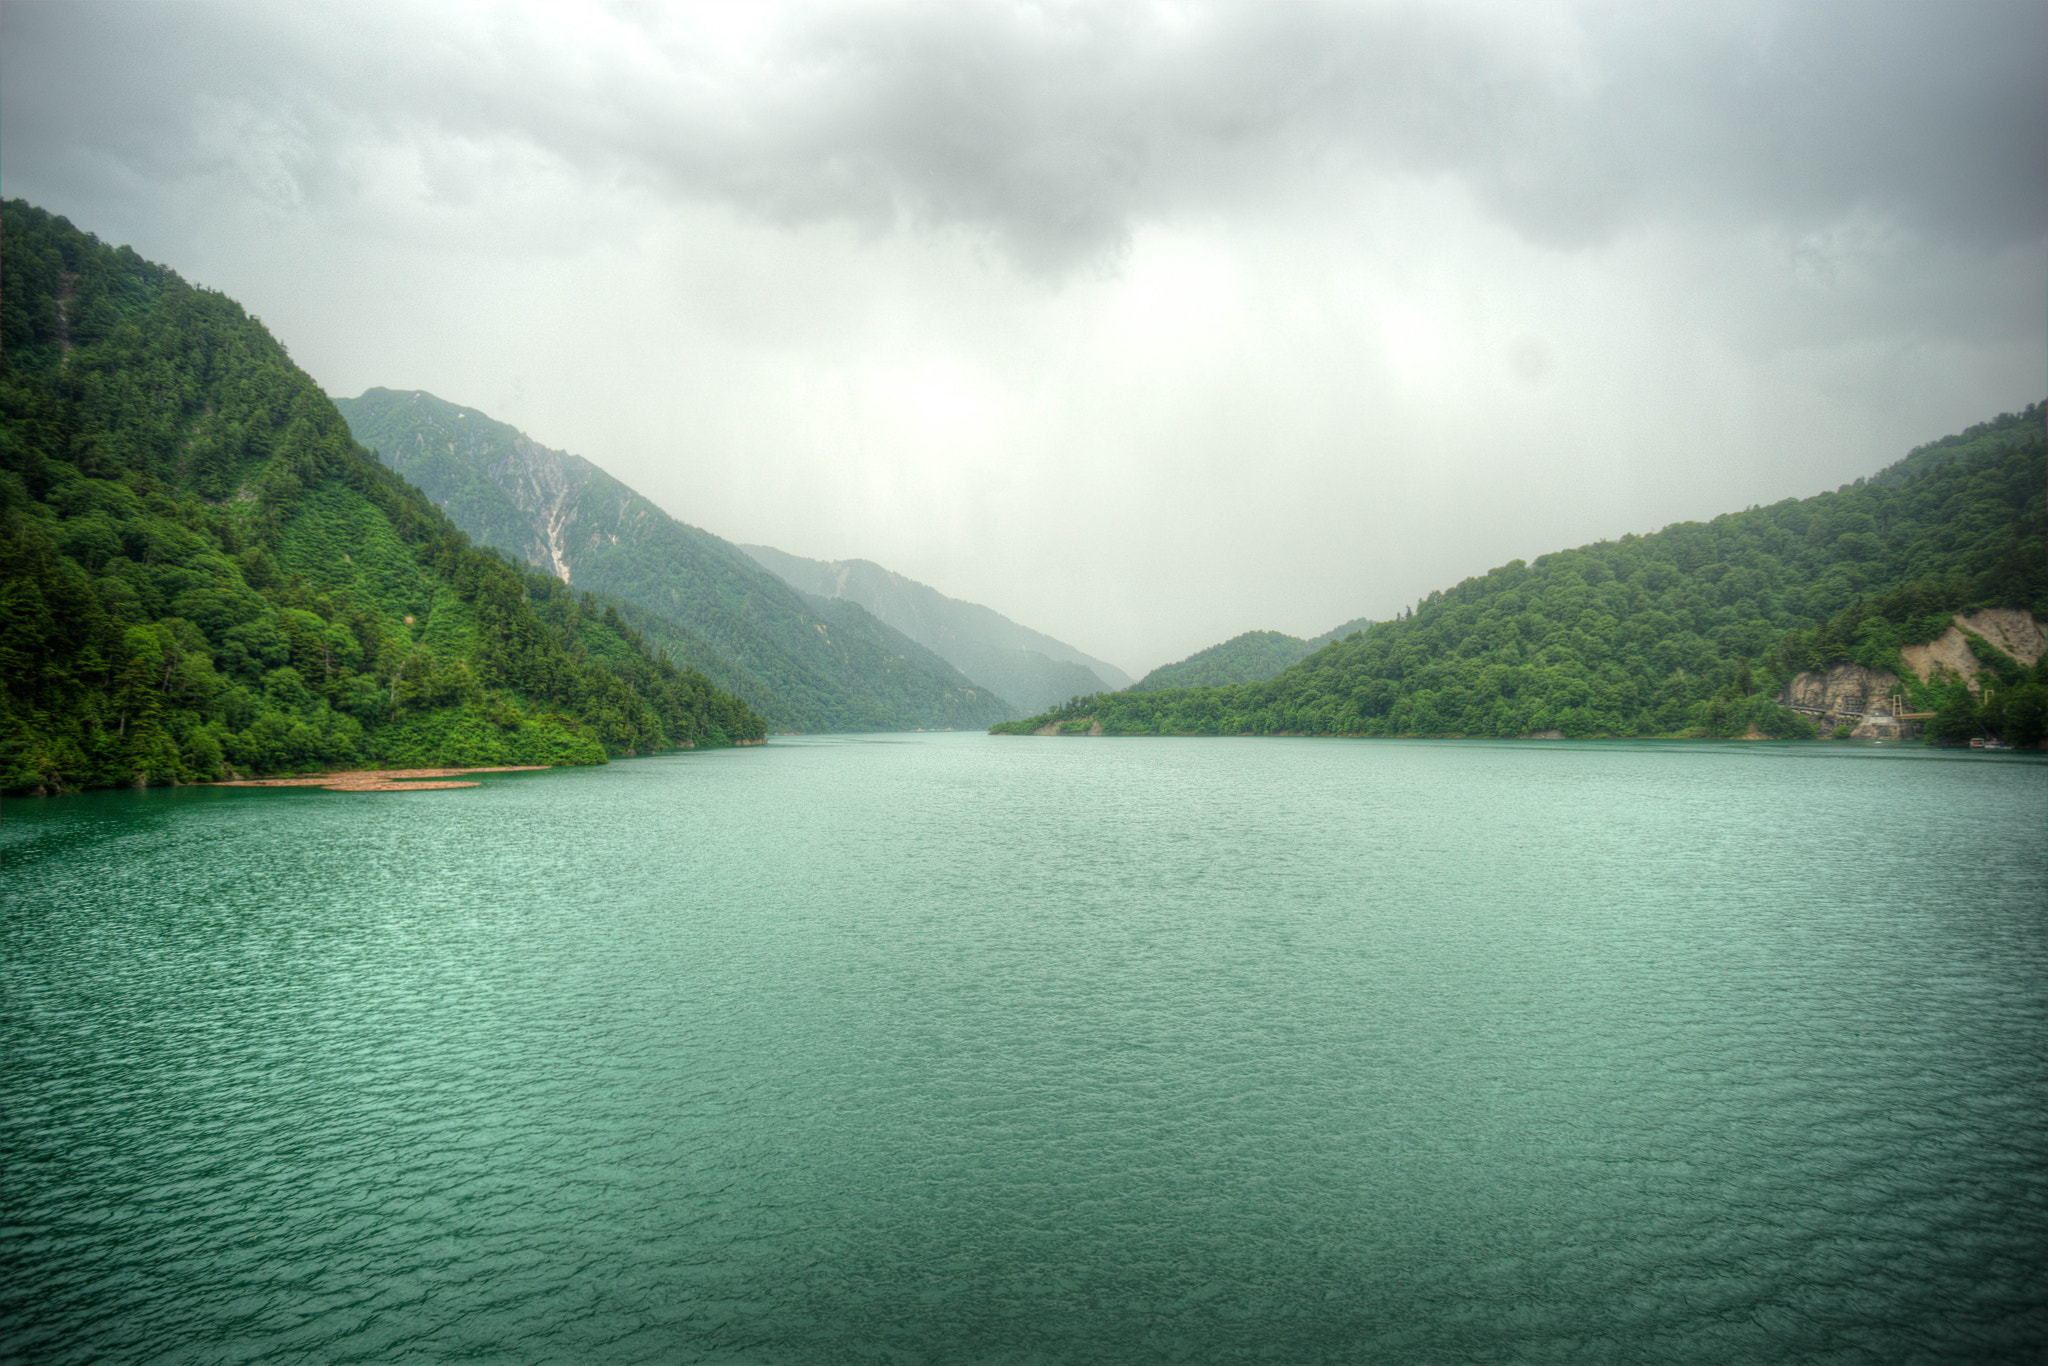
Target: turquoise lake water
959, 1048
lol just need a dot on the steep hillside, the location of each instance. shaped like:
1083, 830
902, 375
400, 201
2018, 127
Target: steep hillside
1686, 631
200, 572
1024, 666
806, 665
1252, 657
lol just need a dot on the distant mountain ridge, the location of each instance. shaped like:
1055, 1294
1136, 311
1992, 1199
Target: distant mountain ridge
1025, 667
1252, 657
804, 663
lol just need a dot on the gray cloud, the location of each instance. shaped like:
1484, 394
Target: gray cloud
1053, 129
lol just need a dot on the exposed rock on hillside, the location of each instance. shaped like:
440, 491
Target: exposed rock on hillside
1086, 725
1844, 690
2012, 630
1845, 694
1865, 698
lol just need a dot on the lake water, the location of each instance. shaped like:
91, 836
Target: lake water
956, 1048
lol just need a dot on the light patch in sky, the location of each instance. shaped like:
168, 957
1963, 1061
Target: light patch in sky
938, 397
1419, 344
1175, 298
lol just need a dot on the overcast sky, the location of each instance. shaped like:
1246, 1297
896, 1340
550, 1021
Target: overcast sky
1143, 324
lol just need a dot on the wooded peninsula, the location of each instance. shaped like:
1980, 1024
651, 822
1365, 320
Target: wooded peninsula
1694, 631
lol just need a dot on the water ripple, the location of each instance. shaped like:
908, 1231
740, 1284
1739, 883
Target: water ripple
933, 1049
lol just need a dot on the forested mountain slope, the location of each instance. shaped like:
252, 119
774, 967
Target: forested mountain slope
1686, 631
201, 572
805, 664
1023, 666
1252, 657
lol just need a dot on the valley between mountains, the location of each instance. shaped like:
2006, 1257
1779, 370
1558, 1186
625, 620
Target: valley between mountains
212, 570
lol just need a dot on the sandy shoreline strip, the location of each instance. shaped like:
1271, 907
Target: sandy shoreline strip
382, 780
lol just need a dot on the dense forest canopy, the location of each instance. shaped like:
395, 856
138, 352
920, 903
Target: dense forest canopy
1252, 657
202, 573
1689, 631
805, 663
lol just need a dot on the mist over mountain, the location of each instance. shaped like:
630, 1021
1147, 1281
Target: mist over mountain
804, 664
1024, 666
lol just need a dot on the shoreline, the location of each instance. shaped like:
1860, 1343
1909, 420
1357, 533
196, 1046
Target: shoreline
384, 780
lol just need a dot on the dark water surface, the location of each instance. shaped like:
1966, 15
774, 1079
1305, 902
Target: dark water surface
951, 1048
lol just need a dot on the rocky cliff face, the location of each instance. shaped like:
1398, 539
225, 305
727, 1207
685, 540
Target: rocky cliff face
506, 489
542, 484
1852, 694
2010, 629
1844, 694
